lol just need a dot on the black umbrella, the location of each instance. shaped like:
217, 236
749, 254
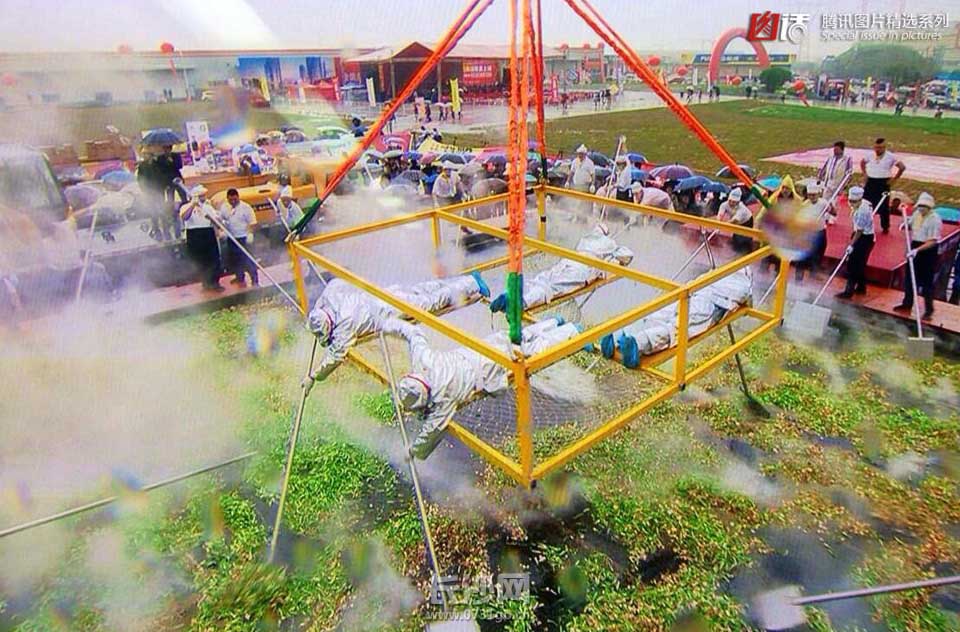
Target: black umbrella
497, 159
725, 172
599, 159
454, 158
286, 128
693, 182
161, 136
412, 175
488, 186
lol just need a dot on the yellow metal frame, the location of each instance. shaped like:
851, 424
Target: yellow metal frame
527, 470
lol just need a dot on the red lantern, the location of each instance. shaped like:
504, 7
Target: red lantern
166, 47
736, 81
799, 85
653, 60
8, 80
124, 49
681, 70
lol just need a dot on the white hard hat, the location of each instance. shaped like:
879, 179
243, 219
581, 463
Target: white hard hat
855, 193
925, 199
814, 188
414, 391
623, 256
286, 191
736, 195
621, 159
582, 149
321, 324
198, 190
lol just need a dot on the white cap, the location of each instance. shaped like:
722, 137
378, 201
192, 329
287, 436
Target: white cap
813, 187
198, 190
925, 199
447, 164
286, 191
414, 392
621, 159
582, 149
736, 195
321, 323
855, 193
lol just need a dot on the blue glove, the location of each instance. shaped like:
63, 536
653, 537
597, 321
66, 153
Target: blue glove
629, 352
499, 304
481, 284
606, 346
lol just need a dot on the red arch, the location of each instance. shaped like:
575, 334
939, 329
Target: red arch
713, 71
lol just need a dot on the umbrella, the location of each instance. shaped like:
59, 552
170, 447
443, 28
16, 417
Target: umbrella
411, 155
497, 159
427, 158
471, 169
638, 175
294, 136
454, 158
118, 202
81, 195
488, 186
635, 158
530, 179
691, 183
402, 189
599, 159
601, 173
117, 179
672, 172
289, 128
412, 175
716, 187
246, 148
161, 136
393, 153
770, 182
725, 172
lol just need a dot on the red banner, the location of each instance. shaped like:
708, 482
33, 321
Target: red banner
478, 72
386, 142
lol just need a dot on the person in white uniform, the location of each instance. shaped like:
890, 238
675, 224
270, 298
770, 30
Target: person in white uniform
239, 219
861, 243
441, 381
202, 246
566, 275
820, 212
877, 170
343, 313
734, 211
926, 228
658, 331
624, 178
287, 206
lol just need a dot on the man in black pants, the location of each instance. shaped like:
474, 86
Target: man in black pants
878, 179
925, 230
861, 243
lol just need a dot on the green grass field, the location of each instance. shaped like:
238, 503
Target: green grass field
643, 532
750, 131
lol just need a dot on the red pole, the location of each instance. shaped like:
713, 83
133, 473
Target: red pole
643, 71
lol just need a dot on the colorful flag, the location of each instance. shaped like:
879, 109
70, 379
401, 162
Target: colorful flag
455, 94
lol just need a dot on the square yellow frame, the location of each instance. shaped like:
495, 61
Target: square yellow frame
527, 470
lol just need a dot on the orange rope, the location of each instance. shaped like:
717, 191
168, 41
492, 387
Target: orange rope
649, 77
514, 243
456, 31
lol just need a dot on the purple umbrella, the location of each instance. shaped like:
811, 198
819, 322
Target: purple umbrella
671, 172
117, 179
81, 196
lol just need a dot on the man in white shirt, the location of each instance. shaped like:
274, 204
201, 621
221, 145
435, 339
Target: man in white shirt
582, 171
202, 246
736, 212
835, 170
926, 228
877, 171
290, 212
861, 243
624, 178
239, 219
819, 213
447, 188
